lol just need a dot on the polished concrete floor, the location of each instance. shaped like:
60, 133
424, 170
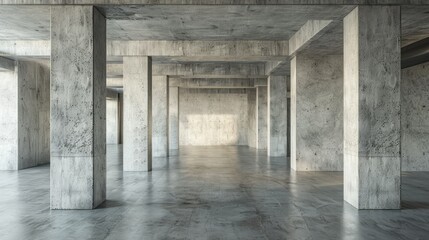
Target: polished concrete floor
210, 193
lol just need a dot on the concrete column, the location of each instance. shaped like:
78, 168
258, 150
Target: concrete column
78, 107
372, 69
262, 119
112, 118
173, 121
160, 116
24, 116
251, 118
317, 113
414, 118
137, 114
277, 116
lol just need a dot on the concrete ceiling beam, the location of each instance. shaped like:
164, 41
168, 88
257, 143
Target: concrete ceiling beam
311, 31
231, 49
198, 50
199, 70
7, 64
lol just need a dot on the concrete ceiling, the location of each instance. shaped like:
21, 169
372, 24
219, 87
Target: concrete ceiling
175, 22
213, 22
209, 22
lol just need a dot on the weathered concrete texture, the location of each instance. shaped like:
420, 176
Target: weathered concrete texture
160, 116
78, 107
317, 90
24, 116
277, 116
213, 117
137, 114
112, 119
414, 116
251, 118
262, 118
372, 107
173, 118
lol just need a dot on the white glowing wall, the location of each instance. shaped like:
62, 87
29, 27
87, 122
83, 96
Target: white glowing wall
212, 117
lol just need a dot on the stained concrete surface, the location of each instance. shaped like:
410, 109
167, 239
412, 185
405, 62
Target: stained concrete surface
210, 193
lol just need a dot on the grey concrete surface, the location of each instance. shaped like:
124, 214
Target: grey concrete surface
137, 113
414, 115
372, 77
78, 107
212, 117
210, 193
160, 116
173, 118
262, 117
317, 112
277, 116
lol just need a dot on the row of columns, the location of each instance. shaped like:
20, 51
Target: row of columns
370, 118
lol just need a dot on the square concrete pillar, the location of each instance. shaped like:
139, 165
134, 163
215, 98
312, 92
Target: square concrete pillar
112, 118
277, 116
317, 113
78, 107
262, 118
173, 119
372, 74
160, 116
137, 149
251, 118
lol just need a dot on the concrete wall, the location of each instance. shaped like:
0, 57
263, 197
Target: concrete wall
213, 116
251, 118
414, 118
112, 120
159, 116
24, 116
317, 113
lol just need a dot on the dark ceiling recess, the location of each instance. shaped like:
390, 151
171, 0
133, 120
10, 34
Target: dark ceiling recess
415, 53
